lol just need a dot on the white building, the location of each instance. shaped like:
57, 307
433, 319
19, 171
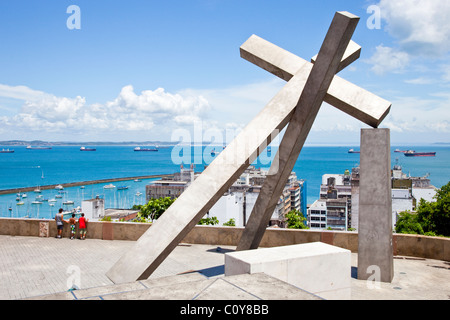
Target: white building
333, 209
406, 193
93, 209
240, 199
317, 215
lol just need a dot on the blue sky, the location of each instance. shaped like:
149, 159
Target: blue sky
140, 70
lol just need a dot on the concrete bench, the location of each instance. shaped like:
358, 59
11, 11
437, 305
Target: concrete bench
316, 267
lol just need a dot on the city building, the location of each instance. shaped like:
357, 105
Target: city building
238, 202
240, 199
171, 187
406, 193
333, 209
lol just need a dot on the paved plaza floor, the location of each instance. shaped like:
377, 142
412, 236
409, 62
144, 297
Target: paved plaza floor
31, 266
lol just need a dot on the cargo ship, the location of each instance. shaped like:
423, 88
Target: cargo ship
6, 151
145, 149
87, 149
411, 153
38, 148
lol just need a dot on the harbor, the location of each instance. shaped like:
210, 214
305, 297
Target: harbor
45, 201
83, 175
79, 184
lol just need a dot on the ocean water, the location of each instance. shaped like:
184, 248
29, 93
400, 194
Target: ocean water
64, 164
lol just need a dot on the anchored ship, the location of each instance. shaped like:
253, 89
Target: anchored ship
411, 153
38, 148
145, 149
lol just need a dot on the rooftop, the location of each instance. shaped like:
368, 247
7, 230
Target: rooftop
38, 268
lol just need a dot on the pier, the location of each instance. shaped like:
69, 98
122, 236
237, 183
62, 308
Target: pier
81, 183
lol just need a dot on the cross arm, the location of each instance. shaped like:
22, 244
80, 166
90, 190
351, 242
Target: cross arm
349, 98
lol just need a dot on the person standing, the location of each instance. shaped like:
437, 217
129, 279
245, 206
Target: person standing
72, 222
82, 226
59, 218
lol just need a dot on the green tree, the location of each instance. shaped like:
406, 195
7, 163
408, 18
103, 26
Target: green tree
155, 208
295, 220
209, 221
230, 223
408, 223
435, 216
432, 218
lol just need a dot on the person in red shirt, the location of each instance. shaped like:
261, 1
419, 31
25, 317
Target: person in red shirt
82, 226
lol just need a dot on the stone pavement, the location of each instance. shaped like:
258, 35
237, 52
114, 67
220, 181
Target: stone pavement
36, 267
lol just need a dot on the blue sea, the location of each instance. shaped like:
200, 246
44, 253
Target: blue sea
65, 164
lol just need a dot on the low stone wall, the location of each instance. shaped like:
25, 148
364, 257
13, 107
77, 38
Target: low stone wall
404, 245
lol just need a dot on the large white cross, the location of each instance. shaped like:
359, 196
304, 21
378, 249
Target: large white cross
296, 103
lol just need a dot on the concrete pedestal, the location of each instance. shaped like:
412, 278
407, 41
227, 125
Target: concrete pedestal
375, 251
316, 267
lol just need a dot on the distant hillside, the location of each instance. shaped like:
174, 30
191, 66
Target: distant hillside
89, 143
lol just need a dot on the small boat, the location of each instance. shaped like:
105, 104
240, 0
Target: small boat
52, 200
37, 190
68, 202
59, 196
59, 187
36, 202
137, 180
24, 195
411, 153
87, 149
6, 151
138, 194
122, 188
38, 148
145, 149
109, 186
353, 151
20, 203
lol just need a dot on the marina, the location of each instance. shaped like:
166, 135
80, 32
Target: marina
47, 202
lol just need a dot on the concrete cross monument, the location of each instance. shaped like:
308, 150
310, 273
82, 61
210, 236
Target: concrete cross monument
297, 103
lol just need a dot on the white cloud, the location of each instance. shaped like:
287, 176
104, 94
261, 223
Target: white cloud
129, 112
20, 93
420, 81
237, 106
445, 73
421, 26
387, 59
419, 115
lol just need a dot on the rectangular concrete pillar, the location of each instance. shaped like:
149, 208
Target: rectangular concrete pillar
375, 251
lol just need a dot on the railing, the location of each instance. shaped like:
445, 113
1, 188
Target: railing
404, 245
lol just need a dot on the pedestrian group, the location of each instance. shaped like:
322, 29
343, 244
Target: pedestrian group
82, 225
